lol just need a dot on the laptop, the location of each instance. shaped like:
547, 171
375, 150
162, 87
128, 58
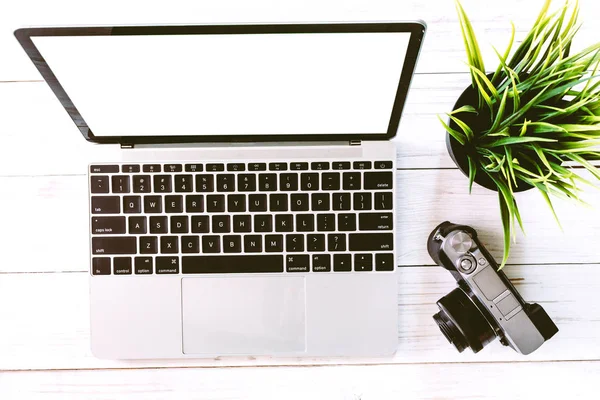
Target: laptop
249, 205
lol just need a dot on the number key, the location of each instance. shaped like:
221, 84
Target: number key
309, 181
120, 184
141, 184
162, 183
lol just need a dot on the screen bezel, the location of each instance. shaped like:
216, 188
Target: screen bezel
416, 30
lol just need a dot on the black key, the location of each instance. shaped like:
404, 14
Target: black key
383, 165
169, 244
341, 201
194, 203
246, 183
383, 201
143, 266
105, 205
104, 169
267, 182
151, 168
257, 202
371, 241
257, 167
297, 263
120, 184
320, 202
309, 181
236, 203
288, 182
162, 184
205, 183
113, 245
299, 202
253, 244
378, 180
336, 242
375, 222
278, 202
173, 168
158, 224
232, 264
179, 224
284, 223
193, 168
361, 164
225, 183
273, 243
132, 204
167, 265
200, 224
122, 266
363, 262
174, 204
221, 224
99, 184
148, 244
331, 181
325, 222
342, 262
232, 244
340, 165
346, 222
242, 223
315, 242
141, 184
137, 225
152, 204
351, 180
184, 183
299, 166
101, 266
362, 201
190, 244
319, 165
130, 168
108, 225
263, 223
277, 166
384, 262
211, 244
215, 167
294, 243
321, 263
305, 222
236, 167
215, 203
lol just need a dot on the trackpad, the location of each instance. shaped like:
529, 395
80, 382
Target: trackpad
243, 315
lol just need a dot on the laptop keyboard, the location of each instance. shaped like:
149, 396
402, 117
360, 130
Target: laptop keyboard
210, 218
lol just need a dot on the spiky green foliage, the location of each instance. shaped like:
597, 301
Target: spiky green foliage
538, 111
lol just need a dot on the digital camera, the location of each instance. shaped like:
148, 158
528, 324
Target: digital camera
485, 305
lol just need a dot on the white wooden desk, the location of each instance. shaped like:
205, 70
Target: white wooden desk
44, 329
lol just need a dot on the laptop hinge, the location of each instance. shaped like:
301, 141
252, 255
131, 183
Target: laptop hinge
355, 142
126, 146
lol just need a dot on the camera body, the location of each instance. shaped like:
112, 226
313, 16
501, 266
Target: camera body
485, 305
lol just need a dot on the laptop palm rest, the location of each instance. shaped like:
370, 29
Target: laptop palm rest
244, 315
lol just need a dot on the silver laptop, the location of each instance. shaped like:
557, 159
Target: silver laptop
249, 207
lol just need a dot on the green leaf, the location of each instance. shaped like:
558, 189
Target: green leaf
506, 218
516, 140
465, 108
506, 53
460, 138
500, 112
472, 172
466, 129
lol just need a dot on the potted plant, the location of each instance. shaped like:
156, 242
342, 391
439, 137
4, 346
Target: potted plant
522, 126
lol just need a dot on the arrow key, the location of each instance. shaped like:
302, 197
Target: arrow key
384, 262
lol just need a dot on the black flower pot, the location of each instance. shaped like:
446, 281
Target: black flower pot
459, 153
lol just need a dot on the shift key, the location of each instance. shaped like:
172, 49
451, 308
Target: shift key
113, 245
371, 241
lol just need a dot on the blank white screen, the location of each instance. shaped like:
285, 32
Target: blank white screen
251, 84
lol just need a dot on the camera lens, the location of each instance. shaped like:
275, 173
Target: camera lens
462, 323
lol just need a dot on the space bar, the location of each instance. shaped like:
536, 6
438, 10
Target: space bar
242, 264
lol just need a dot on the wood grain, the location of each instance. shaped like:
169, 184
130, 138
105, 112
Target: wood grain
48, 317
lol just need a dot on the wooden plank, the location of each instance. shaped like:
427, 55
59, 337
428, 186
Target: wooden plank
443, 48
46, 226
46, 321
427, 382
